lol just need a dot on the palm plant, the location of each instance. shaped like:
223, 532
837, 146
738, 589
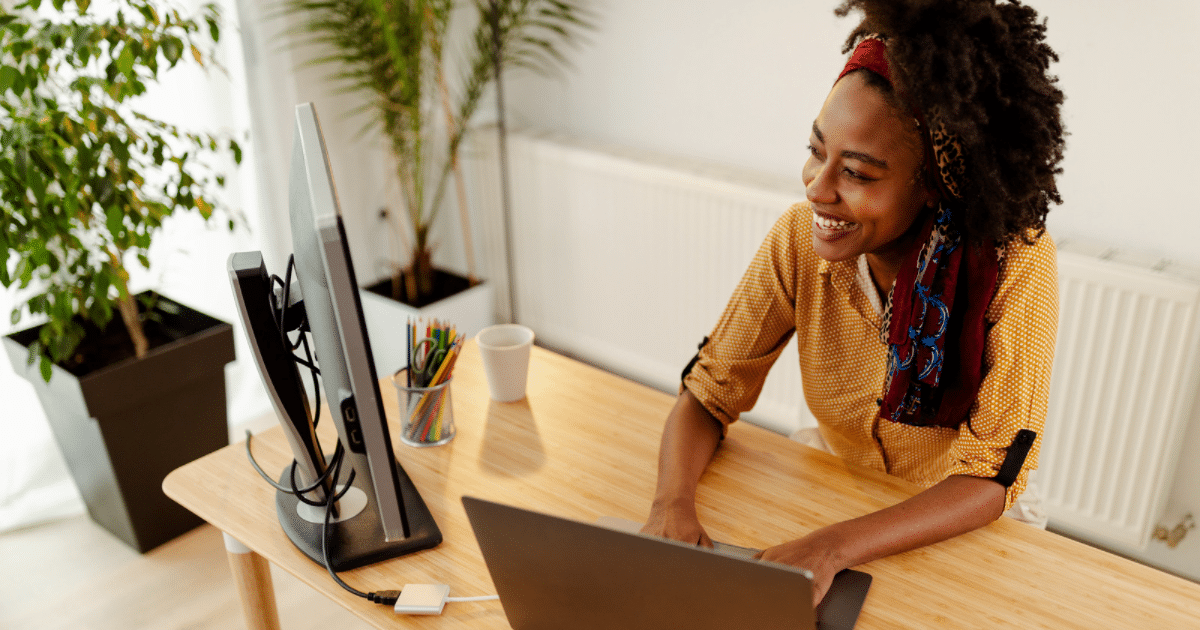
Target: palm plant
393, 51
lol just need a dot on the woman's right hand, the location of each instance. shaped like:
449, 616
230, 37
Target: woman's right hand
676, 520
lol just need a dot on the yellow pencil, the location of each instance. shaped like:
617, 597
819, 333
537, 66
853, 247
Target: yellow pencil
437, 377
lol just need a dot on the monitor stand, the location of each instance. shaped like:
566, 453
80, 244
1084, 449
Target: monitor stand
356, 540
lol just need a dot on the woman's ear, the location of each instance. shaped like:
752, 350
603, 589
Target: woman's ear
929, 181
933, 193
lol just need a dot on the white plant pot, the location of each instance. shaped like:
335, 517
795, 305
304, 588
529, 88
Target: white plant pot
469, 311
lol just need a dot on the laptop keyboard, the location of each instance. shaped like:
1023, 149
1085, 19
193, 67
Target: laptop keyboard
626, 525
734, 550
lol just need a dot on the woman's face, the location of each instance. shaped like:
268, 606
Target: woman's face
864, 175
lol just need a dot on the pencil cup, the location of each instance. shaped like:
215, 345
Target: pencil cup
505, 352
428, 416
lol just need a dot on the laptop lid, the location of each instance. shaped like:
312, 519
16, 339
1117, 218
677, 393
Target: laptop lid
553, 573
837, 611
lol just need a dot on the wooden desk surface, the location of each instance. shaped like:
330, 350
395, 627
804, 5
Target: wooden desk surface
584, 444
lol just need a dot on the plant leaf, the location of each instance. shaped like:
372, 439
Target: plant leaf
172, 50
125, 61
8, 78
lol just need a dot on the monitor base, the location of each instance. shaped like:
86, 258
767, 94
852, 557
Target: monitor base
359, 540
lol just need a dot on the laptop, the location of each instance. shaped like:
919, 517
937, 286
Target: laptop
553, 573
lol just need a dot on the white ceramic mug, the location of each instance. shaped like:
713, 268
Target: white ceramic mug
505, 352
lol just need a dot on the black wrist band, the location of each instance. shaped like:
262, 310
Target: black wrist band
1015, 459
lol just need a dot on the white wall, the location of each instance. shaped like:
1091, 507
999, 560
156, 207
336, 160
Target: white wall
740, 86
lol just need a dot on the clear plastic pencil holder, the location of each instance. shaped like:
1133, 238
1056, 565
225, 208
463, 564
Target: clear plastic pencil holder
428, 416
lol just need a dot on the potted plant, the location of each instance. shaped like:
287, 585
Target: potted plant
394, 54
85, 184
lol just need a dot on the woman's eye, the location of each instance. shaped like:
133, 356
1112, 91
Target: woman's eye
856, 176
814, 152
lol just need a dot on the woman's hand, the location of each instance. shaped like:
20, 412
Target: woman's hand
811, 554
676, 520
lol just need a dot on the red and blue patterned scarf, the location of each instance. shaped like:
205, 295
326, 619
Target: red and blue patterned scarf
936, 329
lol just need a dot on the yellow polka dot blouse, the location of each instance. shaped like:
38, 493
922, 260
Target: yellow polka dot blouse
836, 314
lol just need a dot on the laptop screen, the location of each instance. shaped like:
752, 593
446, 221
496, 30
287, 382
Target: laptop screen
557, 573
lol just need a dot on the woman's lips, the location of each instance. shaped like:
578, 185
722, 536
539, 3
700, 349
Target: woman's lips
828, 228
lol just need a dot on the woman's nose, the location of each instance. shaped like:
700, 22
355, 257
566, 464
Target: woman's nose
820, 189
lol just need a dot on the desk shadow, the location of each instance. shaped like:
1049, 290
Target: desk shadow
512, 446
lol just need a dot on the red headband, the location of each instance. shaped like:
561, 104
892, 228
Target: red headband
943, 147
869, 54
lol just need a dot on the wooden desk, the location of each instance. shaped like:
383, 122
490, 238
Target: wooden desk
584, 444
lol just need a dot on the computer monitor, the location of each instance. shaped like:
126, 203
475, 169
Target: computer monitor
383, 515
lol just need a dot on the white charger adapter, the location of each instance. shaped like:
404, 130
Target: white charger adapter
422, 599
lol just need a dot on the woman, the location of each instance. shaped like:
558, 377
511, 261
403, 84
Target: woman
916, 277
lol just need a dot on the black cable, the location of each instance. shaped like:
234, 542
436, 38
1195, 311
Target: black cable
279, 314
277, 311
387, 598
283, 306
333, 498
325, 475
313, 371
299, 492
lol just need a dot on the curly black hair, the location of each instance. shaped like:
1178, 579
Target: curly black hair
980, 67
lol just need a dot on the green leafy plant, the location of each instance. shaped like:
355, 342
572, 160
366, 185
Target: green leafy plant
86, 181
393, 51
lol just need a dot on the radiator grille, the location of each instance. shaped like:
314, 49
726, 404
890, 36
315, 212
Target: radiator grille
1121, 393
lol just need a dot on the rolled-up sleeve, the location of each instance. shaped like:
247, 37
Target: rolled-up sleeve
1015, 391
755, 327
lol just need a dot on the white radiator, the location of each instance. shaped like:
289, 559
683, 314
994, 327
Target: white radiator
1122, 391
626, 261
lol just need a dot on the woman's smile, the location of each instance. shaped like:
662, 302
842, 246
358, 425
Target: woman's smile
829, 228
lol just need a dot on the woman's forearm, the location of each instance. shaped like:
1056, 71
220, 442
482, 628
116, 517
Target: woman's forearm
954, 506
690, 438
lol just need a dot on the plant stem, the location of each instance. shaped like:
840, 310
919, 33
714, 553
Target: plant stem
463, 215
127, 306
497, 59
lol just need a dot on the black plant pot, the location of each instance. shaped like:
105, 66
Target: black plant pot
445, 284
122, 427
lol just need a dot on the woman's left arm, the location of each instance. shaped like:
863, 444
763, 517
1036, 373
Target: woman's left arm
956, 505
1012, 398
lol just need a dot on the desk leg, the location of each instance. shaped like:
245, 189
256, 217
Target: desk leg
252, 577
